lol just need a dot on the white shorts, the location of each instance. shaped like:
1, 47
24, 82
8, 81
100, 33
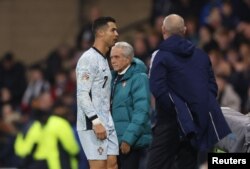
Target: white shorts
96, 149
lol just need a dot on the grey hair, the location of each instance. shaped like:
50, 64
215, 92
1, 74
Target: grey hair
128, 50
174, 24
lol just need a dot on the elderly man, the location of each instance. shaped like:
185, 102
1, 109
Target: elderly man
130, 105
183, 84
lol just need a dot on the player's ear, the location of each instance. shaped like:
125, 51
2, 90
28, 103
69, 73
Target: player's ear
100, 32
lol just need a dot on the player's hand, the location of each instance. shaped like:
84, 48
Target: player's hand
125, 148
100, 131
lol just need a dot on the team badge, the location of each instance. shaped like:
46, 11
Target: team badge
100, 150
123, 83
85, 76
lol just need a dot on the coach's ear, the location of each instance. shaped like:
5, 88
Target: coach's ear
184, 30
163, 29
165, 32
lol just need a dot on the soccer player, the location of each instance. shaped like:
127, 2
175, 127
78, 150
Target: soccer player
94, 122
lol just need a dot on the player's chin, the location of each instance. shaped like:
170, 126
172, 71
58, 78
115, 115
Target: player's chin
113, 44
115, 40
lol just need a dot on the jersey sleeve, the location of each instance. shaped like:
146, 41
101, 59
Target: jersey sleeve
86, 71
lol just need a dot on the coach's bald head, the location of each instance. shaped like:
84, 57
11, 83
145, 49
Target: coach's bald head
173, 24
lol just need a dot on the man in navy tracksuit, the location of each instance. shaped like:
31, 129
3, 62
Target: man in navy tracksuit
189, 118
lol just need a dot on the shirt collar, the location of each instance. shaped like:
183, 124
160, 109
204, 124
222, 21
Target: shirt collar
98, 52
124, 71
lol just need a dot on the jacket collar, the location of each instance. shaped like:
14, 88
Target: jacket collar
128, 73
125, 70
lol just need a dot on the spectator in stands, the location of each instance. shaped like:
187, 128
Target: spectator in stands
153, 40
205, 36
192, 27
227, 97
223, 39
219, 64
247, 106
214, 18
240, 78
206, 9
140, 45
85, 36
158, 23
60, 85
229, 19
58, 60
5, 96
9, 120
242, 9
36, 85
159, 8
185, 7
12, 76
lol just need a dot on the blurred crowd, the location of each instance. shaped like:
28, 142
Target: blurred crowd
219, 27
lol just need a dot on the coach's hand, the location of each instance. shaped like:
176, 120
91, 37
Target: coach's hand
100, 131
125, 148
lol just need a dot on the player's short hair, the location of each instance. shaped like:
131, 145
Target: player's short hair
100, 22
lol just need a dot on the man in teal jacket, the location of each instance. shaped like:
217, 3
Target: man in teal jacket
130, 105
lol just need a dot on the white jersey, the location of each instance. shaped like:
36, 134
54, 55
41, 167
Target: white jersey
93, 90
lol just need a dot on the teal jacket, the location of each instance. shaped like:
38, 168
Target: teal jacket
131, 105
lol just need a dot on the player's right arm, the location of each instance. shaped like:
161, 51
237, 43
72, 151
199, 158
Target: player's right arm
86, 71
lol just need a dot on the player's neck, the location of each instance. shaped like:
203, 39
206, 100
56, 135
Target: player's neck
101, 47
